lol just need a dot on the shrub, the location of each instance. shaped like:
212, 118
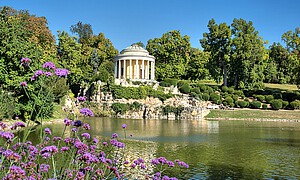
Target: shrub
276, 104
285, 104
230, 90
277, 95
243, 104
269, 98
209, 90
196, 90
229, 100
231, 105
180, 83
265, 106
205, 96
240, 93
185, 88
260, 98
255, 104
215, 98
203, 87
120, 108
235, 97
164, 84
295, 104
172, 82
224, 88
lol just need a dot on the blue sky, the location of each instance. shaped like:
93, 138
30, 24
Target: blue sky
128, 21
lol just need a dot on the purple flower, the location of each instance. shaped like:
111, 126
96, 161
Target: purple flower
183, 164
49, 65
105, 143
48, 73
3, 125
114, 135
61, 72
170, 163
86, 135
38, 73
86, 112
133, 165
18, 124
124, 126
64, 148
23, 84
74, 129
16, 172
49, 149
143, 166
25, 61
48, 131
81, 99
86, 126
56, 138
95, 141
7, 135
44, 168
77, 123
67, 122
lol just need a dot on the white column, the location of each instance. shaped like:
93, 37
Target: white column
124, 69
147, 70
130, 69
136, 69
119, 70
143, 69
116, 69
152, 70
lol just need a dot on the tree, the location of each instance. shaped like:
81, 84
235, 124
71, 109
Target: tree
196, 69
139, 44
217, 41
172, 53
247, 55
84, 31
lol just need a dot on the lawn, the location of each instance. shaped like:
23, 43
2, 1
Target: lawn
255, 114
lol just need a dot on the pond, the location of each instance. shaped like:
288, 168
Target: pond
213, 149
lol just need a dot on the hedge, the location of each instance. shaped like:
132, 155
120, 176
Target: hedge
276, 104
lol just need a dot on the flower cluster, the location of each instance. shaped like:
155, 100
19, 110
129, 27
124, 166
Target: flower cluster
61, 72
25, 61
86, 112
23, 84
81, 99
49, 65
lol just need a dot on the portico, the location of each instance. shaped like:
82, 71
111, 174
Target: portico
134, 63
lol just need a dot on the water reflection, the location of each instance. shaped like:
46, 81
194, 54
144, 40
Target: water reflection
213, 149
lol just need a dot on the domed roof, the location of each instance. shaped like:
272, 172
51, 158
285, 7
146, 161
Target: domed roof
134, 50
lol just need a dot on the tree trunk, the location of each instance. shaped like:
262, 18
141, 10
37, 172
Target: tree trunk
224, 74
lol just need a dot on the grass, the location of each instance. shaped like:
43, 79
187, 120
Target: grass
254, 114
290, 87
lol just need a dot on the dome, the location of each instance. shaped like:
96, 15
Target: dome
134, 50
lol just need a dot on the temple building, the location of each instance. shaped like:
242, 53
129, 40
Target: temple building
134, 64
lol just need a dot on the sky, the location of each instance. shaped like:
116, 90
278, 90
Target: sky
125, 22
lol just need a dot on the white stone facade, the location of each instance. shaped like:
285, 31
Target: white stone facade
135, 64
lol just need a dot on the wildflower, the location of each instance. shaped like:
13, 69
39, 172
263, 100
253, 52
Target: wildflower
48, 73
170, 164
48, 131
61, 72
18, 124
105, 143
23, 84
74, 129
81, 99
49, 65
3, 125
86, 135
64, 148
95, 141
15, 172
25, 61
86, 112
56, 138
77, 123
7, 135
49, 149
67, 122
44, 168
114, 135
124, 126
86, 126
183, 164
143, 166
133, 165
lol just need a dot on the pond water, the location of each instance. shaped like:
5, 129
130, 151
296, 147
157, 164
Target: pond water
213, 149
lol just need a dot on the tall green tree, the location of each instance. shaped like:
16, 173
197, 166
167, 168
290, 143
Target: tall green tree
247, 55
83, 31
172, 53
196, 69
217, 41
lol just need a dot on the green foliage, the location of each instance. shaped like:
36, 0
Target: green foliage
284, 104
224, 88
229, 100
269, 98
170, 81
260, 98
196, 68
185, 88
205, 96
120, 108
196, 90
243, 104
264, 106
7, 104
172, 53
276, 104
255, 104
215, 98
295, 104
277, 95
